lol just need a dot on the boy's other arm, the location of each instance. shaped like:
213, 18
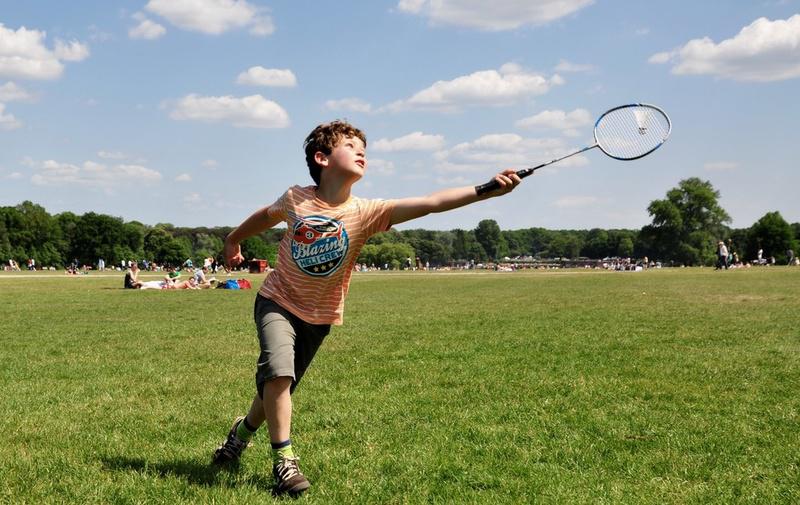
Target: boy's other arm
407, 209
261, 220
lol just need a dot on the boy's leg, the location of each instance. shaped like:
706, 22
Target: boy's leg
255, 416
277, 408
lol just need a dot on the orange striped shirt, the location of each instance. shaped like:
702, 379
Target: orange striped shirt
317, 254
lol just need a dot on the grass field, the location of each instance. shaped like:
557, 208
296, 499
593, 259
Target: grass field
671, 386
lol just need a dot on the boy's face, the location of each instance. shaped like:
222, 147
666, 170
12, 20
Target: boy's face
348, 157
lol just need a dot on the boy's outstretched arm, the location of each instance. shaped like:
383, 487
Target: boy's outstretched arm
407, 209
261, 220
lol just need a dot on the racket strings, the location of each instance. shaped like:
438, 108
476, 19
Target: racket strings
631, 132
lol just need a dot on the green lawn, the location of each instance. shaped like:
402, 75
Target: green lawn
670, 386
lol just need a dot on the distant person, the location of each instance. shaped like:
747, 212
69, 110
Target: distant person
722, 256
760, 256
189, 283
200, 278
790, 257
101, 264
304, 295
132, 278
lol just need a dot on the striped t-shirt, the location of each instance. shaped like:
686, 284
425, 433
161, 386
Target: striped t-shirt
317, 254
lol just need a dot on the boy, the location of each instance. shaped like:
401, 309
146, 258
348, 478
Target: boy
304, 295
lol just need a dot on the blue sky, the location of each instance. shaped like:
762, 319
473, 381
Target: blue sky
193, 112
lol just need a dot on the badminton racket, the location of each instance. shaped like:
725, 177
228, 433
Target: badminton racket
627, 132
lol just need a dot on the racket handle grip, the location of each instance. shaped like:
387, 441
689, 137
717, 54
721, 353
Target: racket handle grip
493, 184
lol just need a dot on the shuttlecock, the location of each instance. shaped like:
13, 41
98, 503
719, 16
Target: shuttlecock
642, 119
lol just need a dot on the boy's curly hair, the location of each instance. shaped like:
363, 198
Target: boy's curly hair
324, 138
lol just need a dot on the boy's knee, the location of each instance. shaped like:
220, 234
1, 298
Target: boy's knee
276, 385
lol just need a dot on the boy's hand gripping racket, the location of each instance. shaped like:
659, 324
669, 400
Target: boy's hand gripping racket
627, 132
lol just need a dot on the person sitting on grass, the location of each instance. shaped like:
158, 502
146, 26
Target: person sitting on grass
304, 295
200, 278
132, 277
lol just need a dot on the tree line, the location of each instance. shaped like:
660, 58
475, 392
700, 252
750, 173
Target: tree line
686, 226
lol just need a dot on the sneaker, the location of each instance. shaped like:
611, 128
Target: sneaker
288, 478
231, 450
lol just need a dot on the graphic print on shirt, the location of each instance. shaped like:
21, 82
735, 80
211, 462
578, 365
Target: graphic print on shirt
319, 244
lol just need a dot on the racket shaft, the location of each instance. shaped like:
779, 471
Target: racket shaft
525, 172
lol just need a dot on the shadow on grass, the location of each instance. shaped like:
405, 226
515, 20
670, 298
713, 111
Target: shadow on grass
194, 472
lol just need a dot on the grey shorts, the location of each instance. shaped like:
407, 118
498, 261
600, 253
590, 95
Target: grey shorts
288, 344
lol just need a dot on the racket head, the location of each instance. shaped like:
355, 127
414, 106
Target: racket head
629, 132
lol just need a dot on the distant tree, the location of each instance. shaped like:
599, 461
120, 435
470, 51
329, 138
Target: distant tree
687, 223
393, 254
625, 247
740, 238
257, 248
207, 245
596, 245
489, 237
518, 242
774, 235
99, 236
161, 247
133, 238
434, 247
5, 243
392, 237
68, 223
466, 247
540, 239
565, 245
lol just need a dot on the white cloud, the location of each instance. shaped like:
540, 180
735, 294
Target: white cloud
505, 86
720, 166
380, 167
92, 174
183, 178
411, 6
502, 150
763, 51
8, 121
71, 51
253, 111
146, 29
210, 164
192, 199
416, 141
10, 92
567, 122
574, 201
111, 155
15, 176
275, 77
568, 66
492, 16
213, 16
349, 104
641, 32
23, 54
